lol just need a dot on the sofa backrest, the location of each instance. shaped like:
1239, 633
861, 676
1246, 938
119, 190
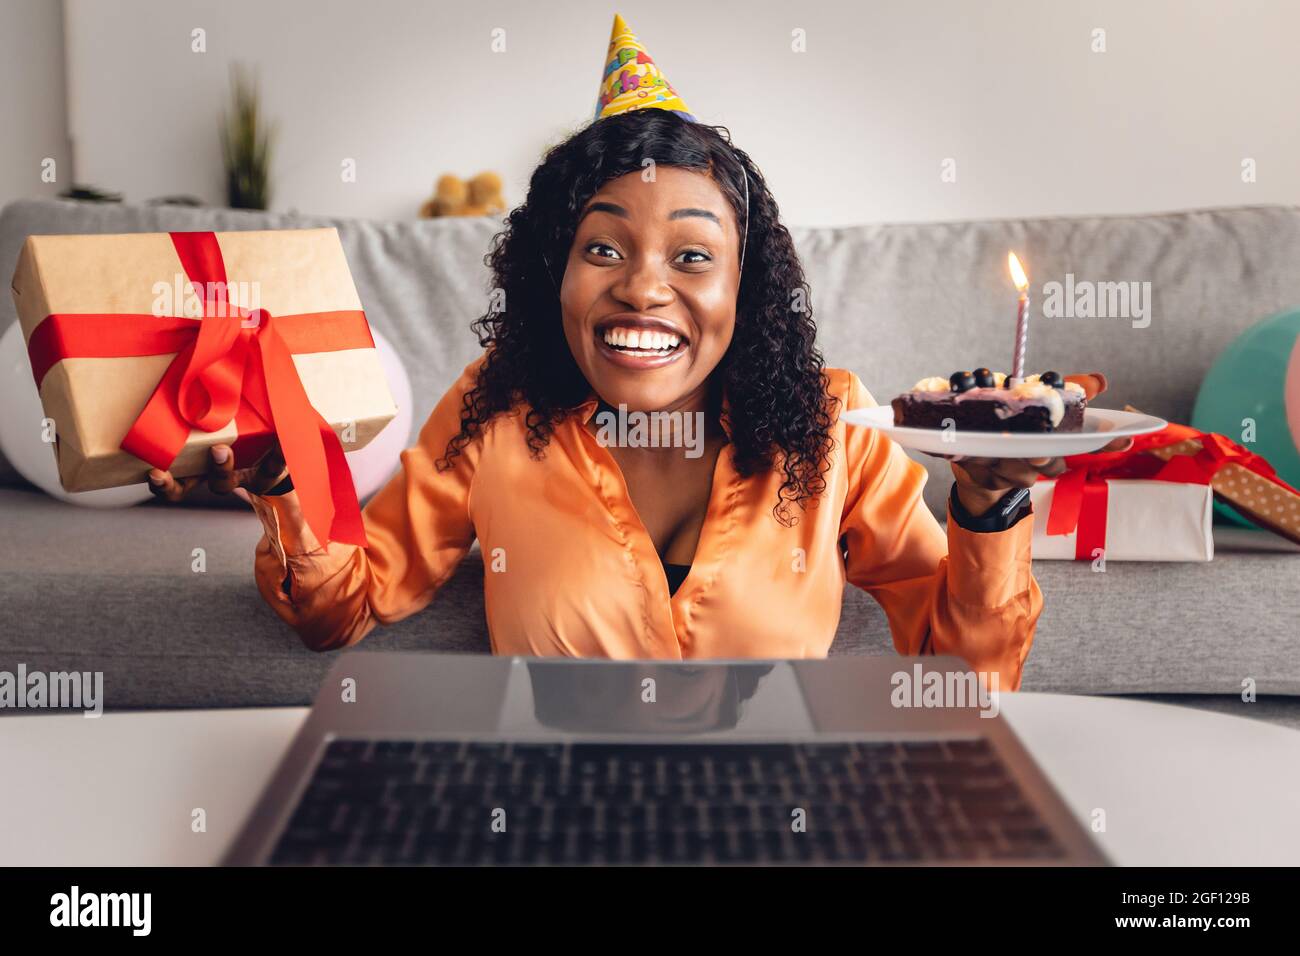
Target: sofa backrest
893, 302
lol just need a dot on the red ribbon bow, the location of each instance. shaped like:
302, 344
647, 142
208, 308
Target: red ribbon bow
1080, 496
231, 364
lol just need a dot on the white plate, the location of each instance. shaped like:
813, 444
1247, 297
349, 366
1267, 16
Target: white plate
1100, 426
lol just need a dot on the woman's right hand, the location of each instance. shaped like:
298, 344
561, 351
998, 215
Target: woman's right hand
222, 477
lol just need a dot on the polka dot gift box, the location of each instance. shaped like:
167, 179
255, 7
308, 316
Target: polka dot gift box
1256, 492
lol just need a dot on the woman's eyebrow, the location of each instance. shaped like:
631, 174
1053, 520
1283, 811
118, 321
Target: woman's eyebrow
609, 207
702, 213
615, 209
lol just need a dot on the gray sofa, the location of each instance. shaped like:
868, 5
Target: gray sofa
113, 591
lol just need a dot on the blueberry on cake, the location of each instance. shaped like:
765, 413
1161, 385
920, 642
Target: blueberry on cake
987, 402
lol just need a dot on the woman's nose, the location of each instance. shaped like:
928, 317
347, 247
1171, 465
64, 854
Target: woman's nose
643, 285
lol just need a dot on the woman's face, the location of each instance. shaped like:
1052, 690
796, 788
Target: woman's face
652, 263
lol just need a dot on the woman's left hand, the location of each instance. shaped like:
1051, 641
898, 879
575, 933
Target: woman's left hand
982, 481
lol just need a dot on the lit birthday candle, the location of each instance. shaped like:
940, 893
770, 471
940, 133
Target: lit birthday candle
1022, 318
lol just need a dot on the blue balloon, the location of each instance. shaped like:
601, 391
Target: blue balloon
1252, 396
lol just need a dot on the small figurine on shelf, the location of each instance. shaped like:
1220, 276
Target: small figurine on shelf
453, 196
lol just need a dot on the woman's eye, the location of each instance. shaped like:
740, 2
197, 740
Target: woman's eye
691, 257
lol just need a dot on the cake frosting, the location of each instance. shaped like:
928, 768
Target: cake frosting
1008, 401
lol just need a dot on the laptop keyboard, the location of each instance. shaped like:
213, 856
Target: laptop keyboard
467, 803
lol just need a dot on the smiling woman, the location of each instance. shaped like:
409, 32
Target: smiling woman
624, 288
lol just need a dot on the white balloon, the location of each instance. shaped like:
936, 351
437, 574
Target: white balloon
373, 465
21, 438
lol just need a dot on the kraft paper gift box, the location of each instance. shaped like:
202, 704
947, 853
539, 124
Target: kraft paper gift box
1143, 520
149, 348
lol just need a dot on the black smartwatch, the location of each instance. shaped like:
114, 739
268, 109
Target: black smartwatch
283, 488
1007, 512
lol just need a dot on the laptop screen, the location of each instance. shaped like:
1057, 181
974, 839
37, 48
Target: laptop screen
660, 698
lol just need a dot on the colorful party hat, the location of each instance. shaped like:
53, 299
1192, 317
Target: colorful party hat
631, 80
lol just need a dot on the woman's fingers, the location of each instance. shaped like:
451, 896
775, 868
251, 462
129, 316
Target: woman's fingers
159, 481
1047, 467
267, 473
996, 473
222, 477
1025, 471
165, 486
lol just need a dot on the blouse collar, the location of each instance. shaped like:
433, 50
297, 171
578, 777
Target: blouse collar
588, 408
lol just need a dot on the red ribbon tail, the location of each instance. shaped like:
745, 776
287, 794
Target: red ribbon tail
1092, 521
1067, 502
348, 526
312, 451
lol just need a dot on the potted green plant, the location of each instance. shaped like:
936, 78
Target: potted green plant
246, 145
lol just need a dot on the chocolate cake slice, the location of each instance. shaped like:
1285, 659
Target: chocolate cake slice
984, 401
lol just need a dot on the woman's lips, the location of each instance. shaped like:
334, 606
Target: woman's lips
637, 360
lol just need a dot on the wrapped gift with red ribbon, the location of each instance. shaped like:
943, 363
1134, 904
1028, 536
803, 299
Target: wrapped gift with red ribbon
1192, 465
149, 348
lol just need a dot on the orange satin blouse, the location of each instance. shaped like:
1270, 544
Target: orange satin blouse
569, 569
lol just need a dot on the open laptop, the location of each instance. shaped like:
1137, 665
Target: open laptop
435, 759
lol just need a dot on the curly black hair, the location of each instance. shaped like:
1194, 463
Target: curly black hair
772, 374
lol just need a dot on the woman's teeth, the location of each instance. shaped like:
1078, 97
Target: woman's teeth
633, 340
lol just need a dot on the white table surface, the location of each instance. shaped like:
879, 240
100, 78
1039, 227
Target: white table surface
1179, 786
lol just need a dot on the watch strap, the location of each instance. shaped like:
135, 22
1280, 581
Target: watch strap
1009, 510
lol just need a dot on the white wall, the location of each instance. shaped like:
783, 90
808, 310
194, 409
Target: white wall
33, 111
855, 129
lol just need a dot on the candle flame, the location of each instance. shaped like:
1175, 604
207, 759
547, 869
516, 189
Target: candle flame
1017, 272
